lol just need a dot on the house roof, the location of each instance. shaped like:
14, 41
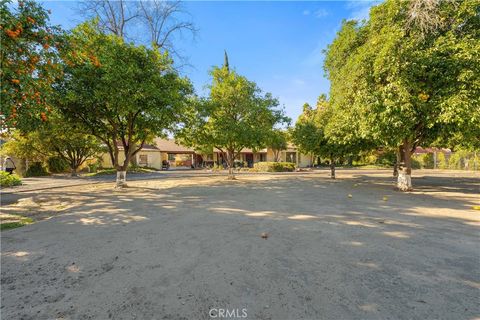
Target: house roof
247, 150
169, 145
146, 147
419, 150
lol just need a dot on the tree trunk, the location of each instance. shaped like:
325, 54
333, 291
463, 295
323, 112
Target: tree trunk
275, 155
404, 180
121, 181
332, 169
74, 172
397, 162
230, 163
133, 160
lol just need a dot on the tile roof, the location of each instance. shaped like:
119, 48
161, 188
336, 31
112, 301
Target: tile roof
169, 145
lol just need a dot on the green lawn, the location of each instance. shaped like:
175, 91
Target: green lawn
11, 221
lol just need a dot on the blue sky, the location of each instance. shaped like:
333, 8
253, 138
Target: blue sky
277, 44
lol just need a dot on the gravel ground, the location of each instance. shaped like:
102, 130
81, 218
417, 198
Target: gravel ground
184, 248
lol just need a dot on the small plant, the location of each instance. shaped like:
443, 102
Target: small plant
9, 180
93, 167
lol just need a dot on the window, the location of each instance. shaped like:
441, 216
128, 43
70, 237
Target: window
143, 160
171, 157
262, 157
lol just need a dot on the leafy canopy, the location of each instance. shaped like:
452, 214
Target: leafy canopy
29, 64
121, 93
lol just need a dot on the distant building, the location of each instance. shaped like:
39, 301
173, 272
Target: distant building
178, 156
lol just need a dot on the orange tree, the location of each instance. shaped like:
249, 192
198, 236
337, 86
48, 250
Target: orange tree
29, 64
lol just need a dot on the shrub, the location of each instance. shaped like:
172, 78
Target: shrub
57, 165
415, 163
473, 163
9, 180
274, 166
36, 169
442, 162
425, 160
387, 158
456, 161
93, 167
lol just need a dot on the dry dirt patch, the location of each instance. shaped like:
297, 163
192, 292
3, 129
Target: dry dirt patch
176, 248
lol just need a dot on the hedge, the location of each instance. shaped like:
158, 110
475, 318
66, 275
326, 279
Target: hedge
57, 165
9, 180
36, 169
274, 166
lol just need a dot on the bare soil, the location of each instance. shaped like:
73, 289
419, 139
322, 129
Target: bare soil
281, 246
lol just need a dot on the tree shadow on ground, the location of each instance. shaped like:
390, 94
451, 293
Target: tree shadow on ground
373, 256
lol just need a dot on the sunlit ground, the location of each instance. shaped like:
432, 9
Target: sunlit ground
282, 246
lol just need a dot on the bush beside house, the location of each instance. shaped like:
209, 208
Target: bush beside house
36, 169
274, 166
9, 180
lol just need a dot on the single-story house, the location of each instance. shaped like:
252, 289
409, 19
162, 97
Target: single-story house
178, 156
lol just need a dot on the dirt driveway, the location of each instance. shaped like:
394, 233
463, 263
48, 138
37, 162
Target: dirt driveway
187, 247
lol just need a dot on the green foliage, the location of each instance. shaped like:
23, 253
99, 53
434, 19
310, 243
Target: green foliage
93, 167
456, 161
36, 169
277, 141
57, 165
24, 146
442, 162
120, 92
68, 142
274, 166
396, 84
416, 163
474, 163
112, 171
9, 180
312, 135
387, 158
29, 64
57, 139
425, 160
21, 221
236, 115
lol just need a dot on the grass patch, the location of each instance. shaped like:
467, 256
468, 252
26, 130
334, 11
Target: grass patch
12, 221
112, 171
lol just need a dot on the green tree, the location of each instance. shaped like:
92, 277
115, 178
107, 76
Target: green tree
29, 64
121, 93
56, 138
25, 146
277, 141
408, 84
236, 115
310, 134
59, 138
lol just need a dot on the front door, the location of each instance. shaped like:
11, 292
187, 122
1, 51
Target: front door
249, 159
